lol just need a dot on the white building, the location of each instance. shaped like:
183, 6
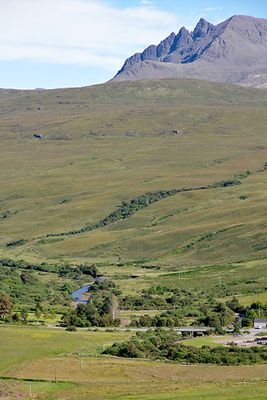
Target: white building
260, 323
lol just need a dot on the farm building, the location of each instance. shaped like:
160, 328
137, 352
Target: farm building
260, 323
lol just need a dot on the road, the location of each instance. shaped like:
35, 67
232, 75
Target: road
244, 337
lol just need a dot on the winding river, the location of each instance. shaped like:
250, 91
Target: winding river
78, 295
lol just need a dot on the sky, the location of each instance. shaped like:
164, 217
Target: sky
69, 43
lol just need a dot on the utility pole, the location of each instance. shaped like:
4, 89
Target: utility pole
30, 393
55, 375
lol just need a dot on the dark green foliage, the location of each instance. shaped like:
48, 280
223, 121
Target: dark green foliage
71, 328
160, 297
218, 317
21, 281
5, 214
88, 270
236, 306
69, 271
62, 270
237, 329
248, 313
162, 344
16, 243
95, 313
21, 264
125, 210
99, 311
242, 175
178, 305
26, 289
143, 302
224, 184
75, 272
247, 322
130, 207
27, 278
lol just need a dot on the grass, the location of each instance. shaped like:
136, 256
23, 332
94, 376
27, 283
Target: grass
220, 392
47, 319
246, 300
234, 279
76, 175
107, 144
74, 359
32, 389
34, 356
22, 344
229, 391
200, 341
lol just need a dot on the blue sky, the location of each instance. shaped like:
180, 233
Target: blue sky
62, 43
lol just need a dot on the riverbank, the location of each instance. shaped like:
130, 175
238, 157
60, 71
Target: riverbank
81, 295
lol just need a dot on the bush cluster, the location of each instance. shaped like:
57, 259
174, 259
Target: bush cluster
162, 345
100, 309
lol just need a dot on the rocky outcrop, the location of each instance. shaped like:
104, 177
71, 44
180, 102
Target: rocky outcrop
234, 51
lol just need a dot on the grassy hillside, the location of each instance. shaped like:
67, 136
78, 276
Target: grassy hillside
144, 108
111, 143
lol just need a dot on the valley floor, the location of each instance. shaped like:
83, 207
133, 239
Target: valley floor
52, 364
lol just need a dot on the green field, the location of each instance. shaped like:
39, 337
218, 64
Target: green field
32, 358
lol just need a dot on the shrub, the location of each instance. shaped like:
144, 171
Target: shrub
71, 328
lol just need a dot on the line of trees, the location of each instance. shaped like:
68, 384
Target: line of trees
132, 206
166, 345
178, 305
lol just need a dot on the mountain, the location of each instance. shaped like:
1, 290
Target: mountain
234, 51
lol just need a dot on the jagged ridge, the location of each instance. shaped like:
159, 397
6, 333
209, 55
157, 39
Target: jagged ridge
233, 51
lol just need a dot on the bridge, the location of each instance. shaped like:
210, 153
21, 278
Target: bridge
193, 330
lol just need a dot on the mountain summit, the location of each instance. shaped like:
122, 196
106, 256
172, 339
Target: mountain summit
234, 51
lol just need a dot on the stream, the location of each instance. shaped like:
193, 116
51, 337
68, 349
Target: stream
77, 295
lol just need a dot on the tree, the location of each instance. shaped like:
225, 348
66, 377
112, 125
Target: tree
88, 270
247, 322
237, 328
24, 314
5, 305
15, 317
113, 306
27, 278
38, 313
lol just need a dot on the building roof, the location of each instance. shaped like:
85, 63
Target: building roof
259, 320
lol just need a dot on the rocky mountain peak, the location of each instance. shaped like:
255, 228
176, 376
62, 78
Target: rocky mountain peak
181, 39
233, 51
202, 29
164, 47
